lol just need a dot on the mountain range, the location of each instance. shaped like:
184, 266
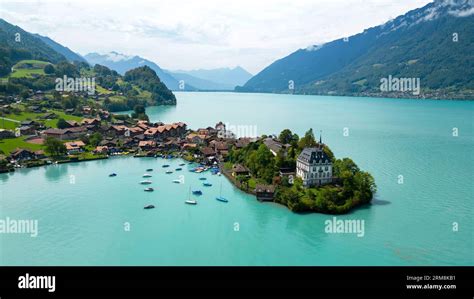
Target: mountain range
434, 43
214, 79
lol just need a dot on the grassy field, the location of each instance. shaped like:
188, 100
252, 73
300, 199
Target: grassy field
54, 122
37, 116
10, 144
102, 90
28, 68
8, 124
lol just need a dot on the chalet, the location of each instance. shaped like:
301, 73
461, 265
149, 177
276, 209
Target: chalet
314, 167
64, 134
119, 130
29, 123
40, 154
196, 138
204, 132
6, 134
101, 149
143, 126
86, 110
239, 169
275, 146
90, 122
27, 130
49, 115
134, 131
207, 152
187, 146
242, 142
147, 144
220, 146
155, 133
74, 147
72, 123
264, 192
171, 145
21, 154
108, 143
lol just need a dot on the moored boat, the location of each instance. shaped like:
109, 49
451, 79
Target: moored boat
149, 169
190, 201
166, 165
220, 198
207, 184
149, 207
145, 182
112, 174
178, 169
197, 192
169, 171
149, 189
147, 175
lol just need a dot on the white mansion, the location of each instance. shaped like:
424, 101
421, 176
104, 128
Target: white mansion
314, 167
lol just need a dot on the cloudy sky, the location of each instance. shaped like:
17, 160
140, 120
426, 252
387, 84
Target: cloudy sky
180, 34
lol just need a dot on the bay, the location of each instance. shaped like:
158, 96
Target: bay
427, 220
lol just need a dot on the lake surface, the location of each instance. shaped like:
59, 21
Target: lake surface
427, 220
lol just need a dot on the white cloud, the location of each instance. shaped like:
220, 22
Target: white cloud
186, 34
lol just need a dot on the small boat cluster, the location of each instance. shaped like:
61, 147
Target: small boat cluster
189, 201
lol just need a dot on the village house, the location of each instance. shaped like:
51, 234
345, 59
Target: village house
72, 123
101, 150
264, 192
147, 145
74, 147
6, 134
314, 167
27, 130
239, 169
118, 130
40, 154
275, 146
91, 122
134, 131
188, 146
202, 131
22, 154
170, 145
64, 134
86, 110
196, 138
242, 142
207, 152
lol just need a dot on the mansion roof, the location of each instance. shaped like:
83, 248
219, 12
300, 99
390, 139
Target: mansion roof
313, 155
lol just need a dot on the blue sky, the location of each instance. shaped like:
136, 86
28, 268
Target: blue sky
207, 34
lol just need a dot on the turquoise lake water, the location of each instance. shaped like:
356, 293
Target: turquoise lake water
407, 224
